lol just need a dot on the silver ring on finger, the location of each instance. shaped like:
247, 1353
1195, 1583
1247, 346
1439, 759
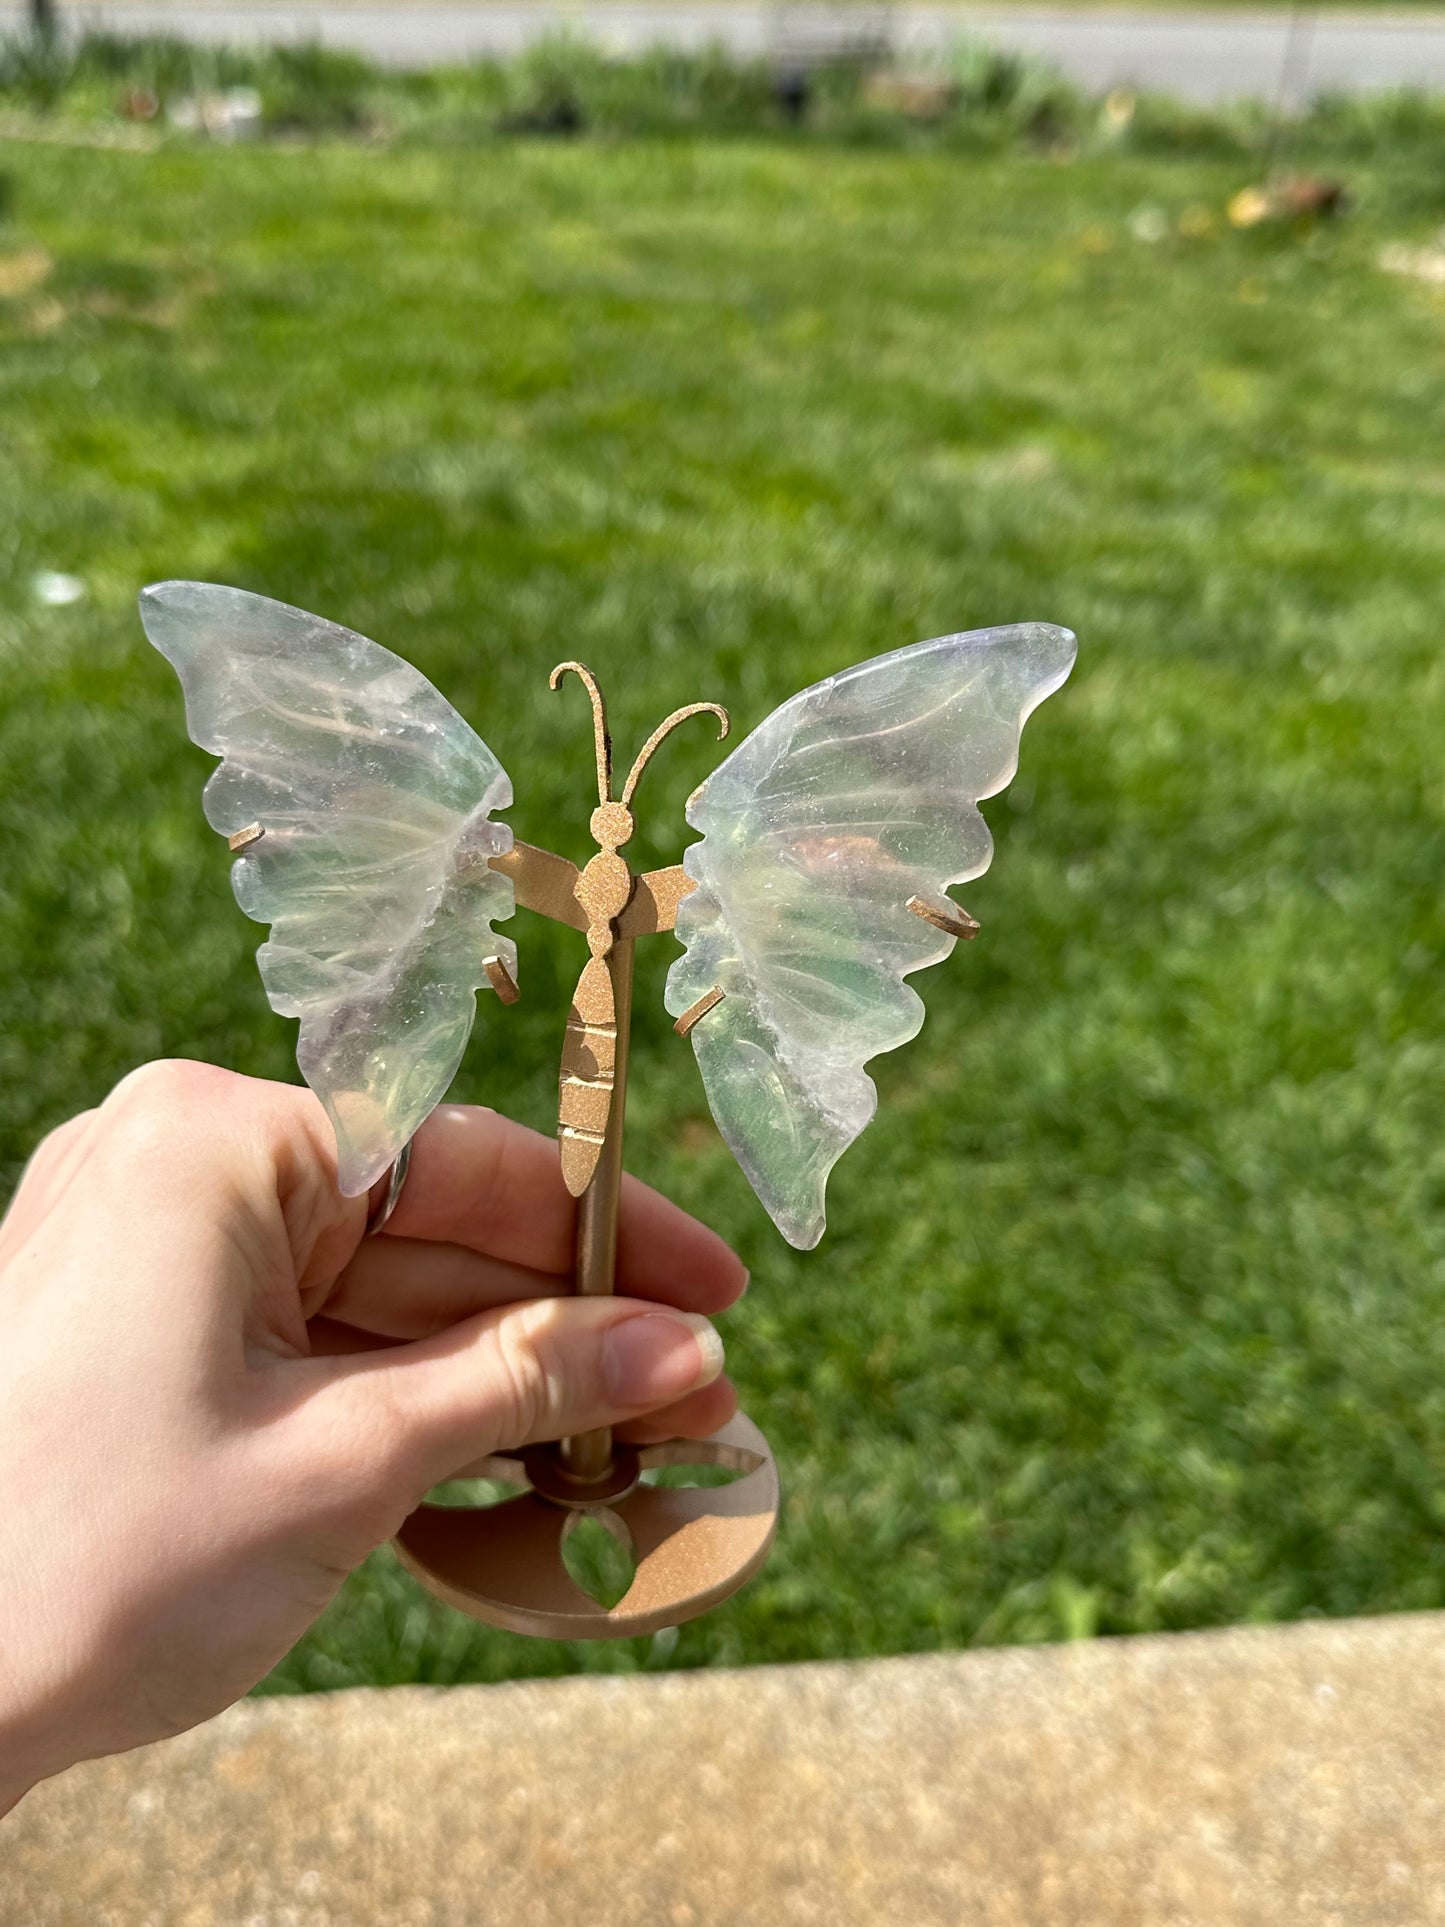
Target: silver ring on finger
381, 1213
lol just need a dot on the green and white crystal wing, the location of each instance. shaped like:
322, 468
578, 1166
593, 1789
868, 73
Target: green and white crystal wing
847, 801
375, 798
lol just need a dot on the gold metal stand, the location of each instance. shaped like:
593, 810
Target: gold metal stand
693, 1546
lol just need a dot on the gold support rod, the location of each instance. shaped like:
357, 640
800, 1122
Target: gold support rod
588, 1455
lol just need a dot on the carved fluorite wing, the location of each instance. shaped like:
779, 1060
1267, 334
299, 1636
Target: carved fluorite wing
375, 799
855, 796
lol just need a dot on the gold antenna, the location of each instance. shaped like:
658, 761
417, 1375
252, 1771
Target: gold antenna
599, 722
644, 755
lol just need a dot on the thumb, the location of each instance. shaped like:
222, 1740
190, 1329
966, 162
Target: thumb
413, 1415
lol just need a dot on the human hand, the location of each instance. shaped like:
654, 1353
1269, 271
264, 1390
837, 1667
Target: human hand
217, 1395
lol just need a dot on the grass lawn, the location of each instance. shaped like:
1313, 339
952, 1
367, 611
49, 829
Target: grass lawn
1131, 1313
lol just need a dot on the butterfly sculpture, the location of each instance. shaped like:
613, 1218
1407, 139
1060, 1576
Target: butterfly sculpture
364, 810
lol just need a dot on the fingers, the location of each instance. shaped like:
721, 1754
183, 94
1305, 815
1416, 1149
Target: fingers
694, 1417
57, 1155
697, 1416
327, 1339
213, 1146
493, 1187
408, 1288
54, 1166
484, 1218
412, 1415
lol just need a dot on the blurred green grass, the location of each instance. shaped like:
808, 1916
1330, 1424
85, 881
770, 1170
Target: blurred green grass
1130, 1311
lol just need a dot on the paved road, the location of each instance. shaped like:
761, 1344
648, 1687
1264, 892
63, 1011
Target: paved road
1199, 56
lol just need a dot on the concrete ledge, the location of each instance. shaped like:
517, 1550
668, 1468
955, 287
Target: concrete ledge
1280, 1778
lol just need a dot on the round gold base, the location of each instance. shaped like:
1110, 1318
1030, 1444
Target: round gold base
695, 1545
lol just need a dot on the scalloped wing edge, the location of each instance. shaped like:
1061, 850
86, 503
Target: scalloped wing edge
450, 1009
716, 1033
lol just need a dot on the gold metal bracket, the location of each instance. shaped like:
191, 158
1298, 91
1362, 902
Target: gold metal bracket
548, 884
944, 914
543, 882
243, 839
501, 980
693, 1546
594, 1053
709, 1000
655, 897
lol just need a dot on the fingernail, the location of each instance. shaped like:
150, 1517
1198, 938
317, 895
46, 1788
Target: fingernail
660, 1356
